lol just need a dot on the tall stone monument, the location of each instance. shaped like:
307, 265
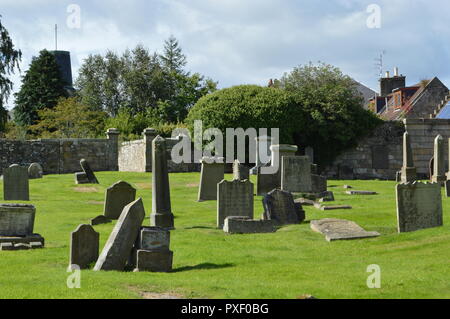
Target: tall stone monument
161, 215
439, 161
408, 172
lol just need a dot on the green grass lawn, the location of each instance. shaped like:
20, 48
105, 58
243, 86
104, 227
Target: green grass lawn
209, 264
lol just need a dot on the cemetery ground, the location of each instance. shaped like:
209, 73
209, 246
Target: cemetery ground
293, 262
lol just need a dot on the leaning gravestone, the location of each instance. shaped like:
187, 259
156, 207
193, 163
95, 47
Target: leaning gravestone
117, 197
16, 183
234, 199
35, 171
296, 174
280, 206
118, 248
338, 229
213, 172
240, 171
419, 206
88, 171
84, 243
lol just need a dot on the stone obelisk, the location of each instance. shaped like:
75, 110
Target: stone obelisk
409, 172
161, 215
439, 161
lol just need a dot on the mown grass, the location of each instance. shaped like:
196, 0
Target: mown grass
209, 264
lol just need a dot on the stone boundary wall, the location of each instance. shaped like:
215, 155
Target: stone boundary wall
62, 156
136, 156
380, 155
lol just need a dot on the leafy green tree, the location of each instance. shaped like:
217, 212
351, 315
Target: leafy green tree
69, 119
42, 86
336, 117
10, 58
173, 58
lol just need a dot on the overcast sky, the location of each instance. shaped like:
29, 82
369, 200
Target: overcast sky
246, 41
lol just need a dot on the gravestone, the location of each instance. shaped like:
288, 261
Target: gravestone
266, 183
213, 172
439, 161
263, 144
16, 183
240, 171
296, 174
362, 193
280, 206
419, 206
234, 199
16, 219
117, 197
120, 243
408, 172
246, 225
35, 171
81, 178
278, 152
152, 250
88, 171
319, 184
309, 151
84, 245
338, 229
161, 215
100, 220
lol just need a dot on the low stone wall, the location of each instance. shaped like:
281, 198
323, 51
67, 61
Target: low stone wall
61, 156
136, 156
380, 155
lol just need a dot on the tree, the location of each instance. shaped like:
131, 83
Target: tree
42, 86
336, 117
10, 58
69, 119
173, 58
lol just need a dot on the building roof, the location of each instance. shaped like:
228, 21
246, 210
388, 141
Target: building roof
366, 92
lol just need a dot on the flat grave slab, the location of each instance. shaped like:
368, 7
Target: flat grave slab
339, 229
361, 193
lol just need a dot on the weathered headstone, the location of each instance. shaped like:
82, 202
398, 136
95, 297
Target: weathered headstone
419, 206
319, 184
234, 199
338, 229
100, 220
84, 245
152, 250
439, 161
35, 171
81, 178
296, 174
16, 219
278, 152
88, 171
117, 197
246, 225
118, 248
240, 171
408, 172
265, 183
213, 172
263, 144
16, 183
280, 206
161, 215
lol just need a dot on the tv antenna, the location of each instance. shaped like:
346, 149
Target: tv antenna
379, 63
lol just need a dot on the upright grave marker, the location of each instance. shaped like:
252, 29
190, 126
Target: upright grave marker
35, 171
234, 199
419, 206
152, 250
240, 171
296, 174
16, 183
213, 172
408, 172
161, 215
263, 144
84, 245
117, 197
118, 248
439, 161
